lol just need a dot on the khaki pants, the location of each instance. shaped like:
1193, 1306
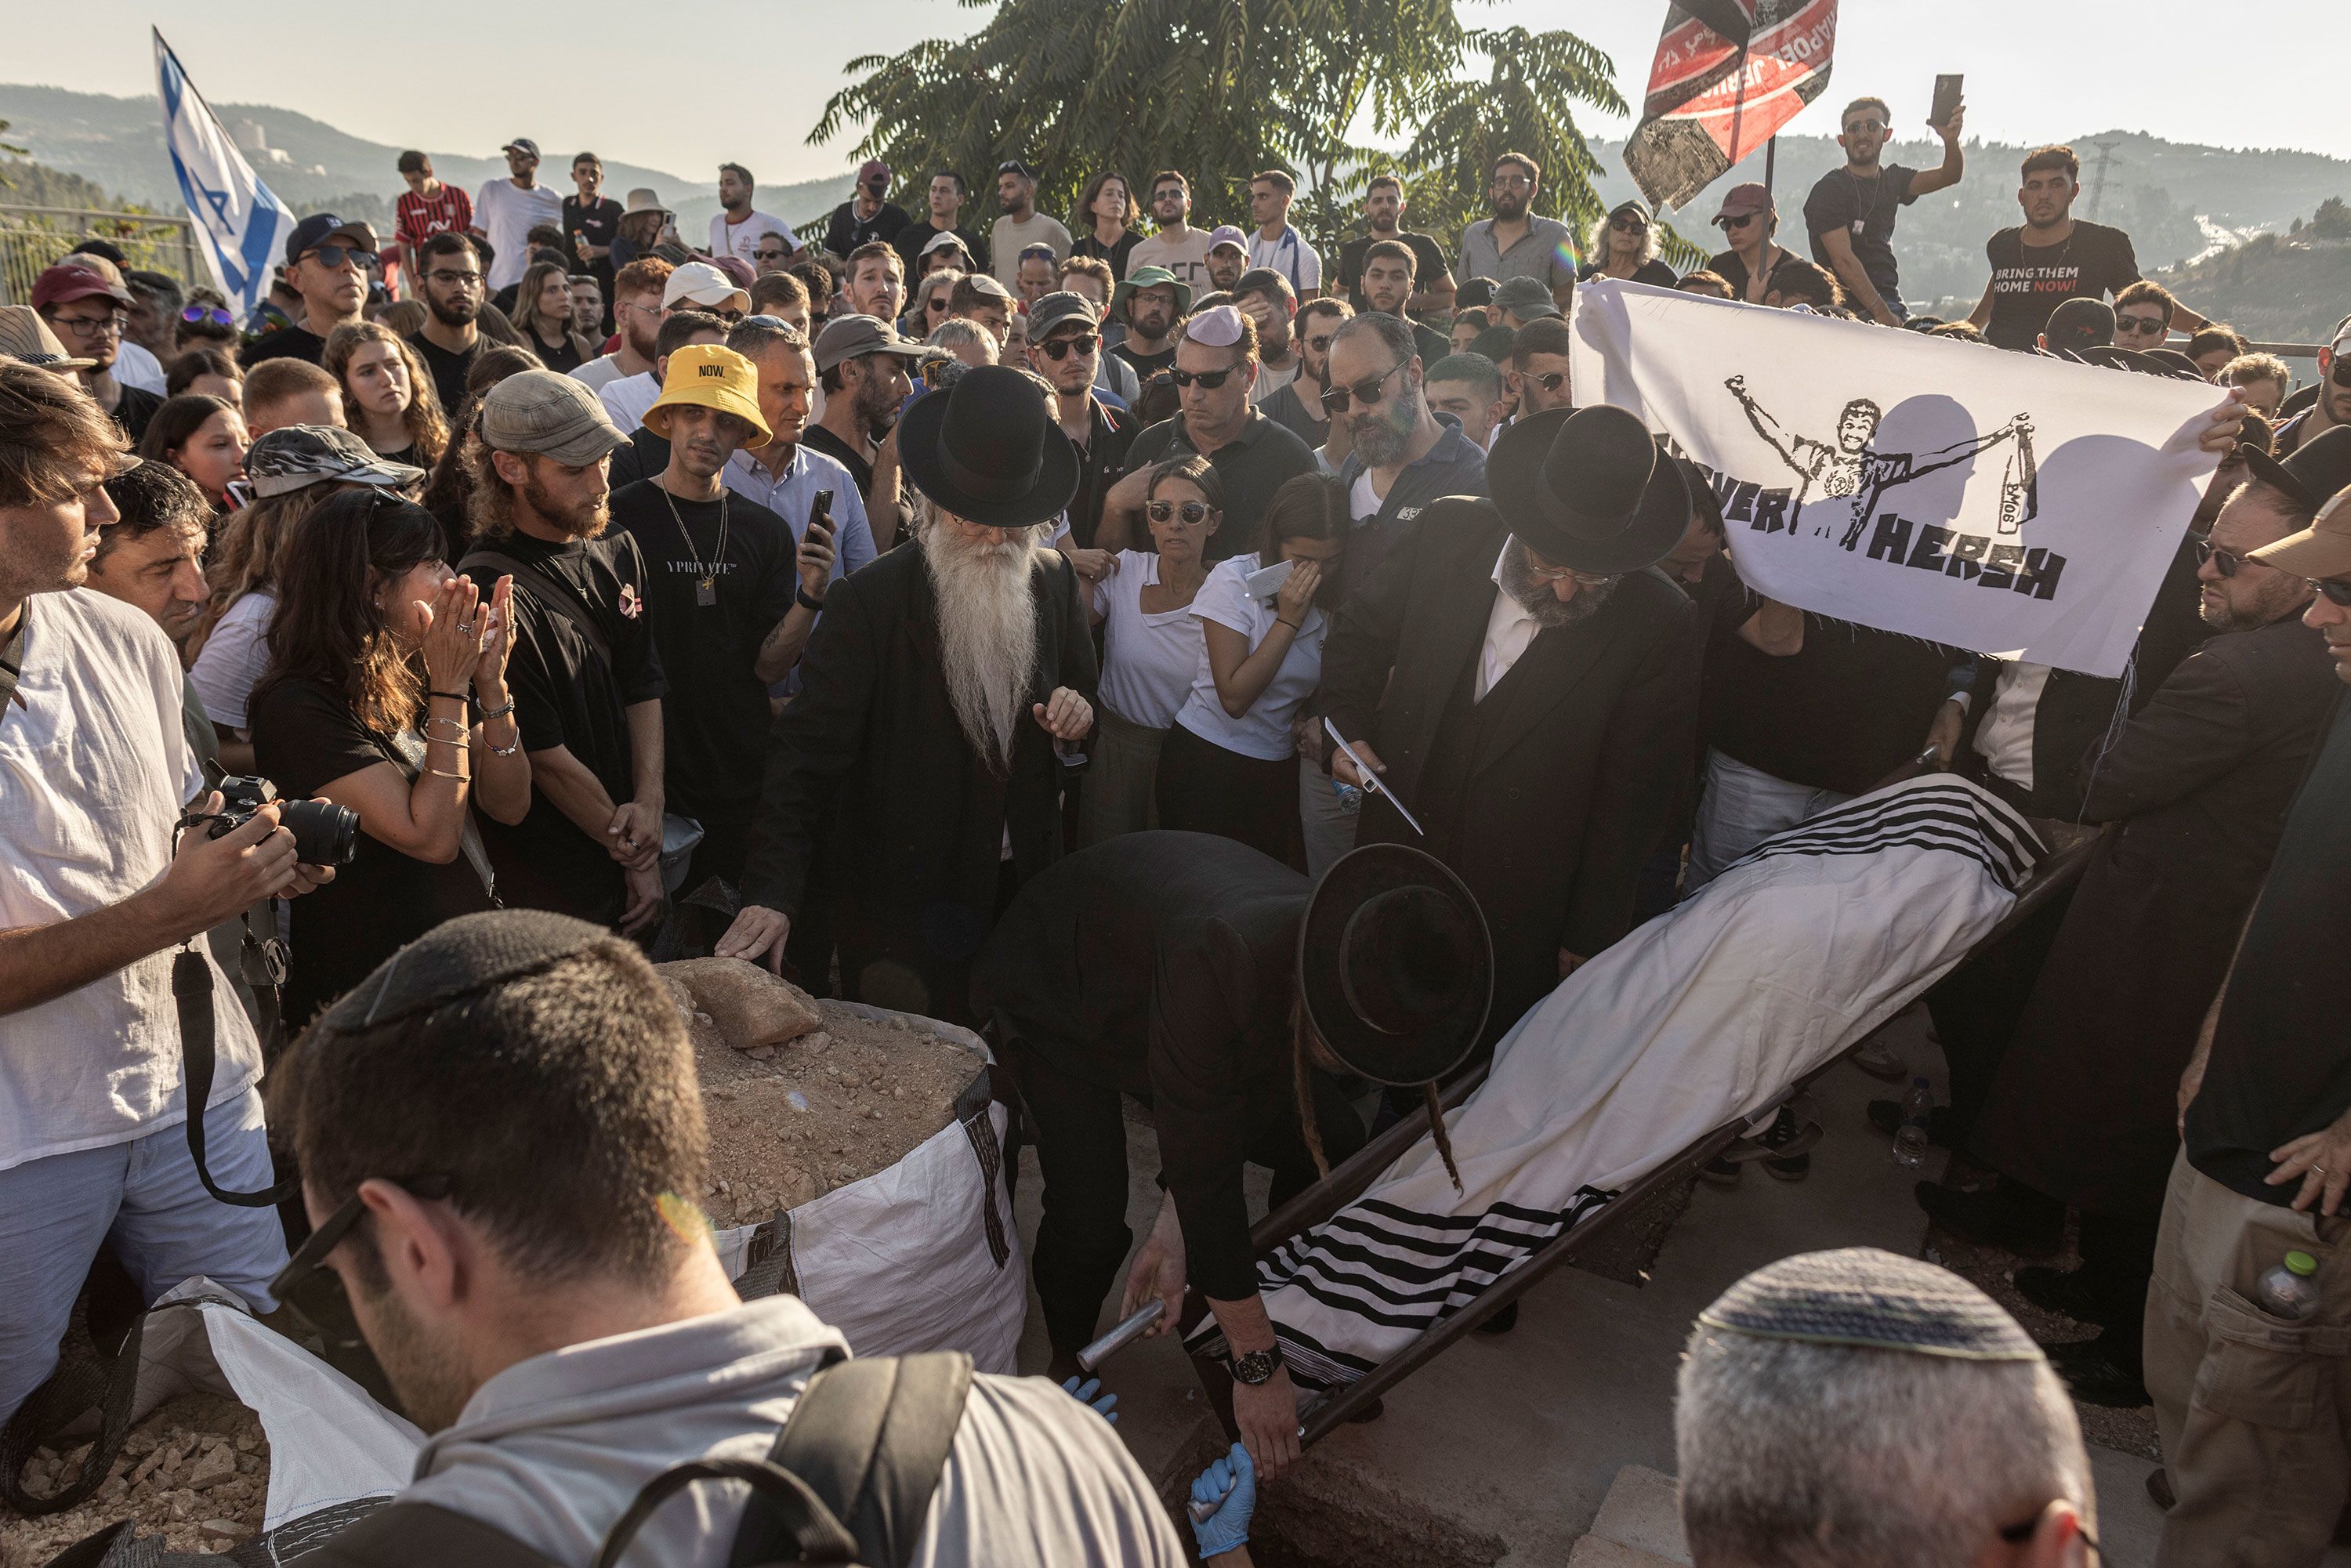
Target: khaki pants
2255, 1412
1116, 795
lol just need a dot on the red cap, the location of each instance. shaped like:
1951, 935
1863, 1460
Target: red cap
69, 281
1741, 200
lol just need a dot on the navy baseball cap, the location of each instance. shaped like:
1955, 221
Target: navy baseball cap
521, 145
318, 228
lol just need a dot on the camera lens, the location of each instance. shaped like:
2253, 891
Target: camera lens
324, 834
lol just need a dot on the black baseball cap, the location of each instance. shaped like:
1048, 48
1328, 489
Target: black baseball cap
521, 145
321, 227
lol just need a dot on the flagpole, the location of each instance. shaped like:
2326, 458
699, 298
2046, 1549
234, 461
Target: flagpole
1770, 162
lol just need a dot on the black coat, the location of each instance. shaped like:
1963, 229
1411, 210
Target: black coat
2083, 1107
1579, 750
920, 817
1163, 964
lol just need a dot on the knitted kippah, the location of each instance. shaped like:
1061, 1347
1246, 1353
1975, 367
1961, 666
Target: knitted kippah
1861, 1296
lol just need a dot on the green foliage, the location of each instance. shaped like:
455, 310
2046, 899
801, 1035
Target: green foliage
2333, 220
38, 185
1221, 91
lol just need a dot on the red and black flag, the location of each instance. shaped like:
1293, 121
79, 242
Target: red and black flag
1729, 73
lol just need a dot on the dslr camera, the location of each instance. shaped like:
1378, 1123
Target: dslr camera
324, 834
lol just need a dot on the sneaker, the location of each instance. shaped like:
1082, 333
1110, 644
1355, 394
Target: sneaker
1786, 1129
2095, 1377
1721, 1172
2065, 1291
1993, 1219
1879, 1060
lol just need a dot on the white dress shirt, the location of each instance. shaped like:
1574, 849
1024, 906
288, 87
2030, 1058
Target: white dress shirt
1510, 629
2004, 739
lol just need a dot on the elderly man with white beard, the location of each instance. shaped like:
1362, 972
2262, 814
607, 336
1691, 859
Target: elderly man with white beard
933, 693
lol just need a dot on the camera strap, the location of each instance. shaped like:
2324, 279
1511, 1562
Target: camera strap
191, 990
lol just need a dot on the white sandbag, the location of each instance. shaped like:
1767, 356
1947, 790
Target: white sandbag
921, 1255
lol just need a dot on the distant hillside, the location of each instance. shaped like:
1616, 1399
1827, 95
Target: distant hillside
118, 143
2177, 200
25, 184
2274, 289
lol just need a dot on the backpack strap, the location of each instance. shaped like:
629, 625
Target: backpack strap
406, 1534
870, 1438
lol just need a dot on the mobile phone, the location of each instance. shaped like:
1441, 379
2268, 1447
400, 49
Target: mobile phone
820, 515
1266, 581
1947, 99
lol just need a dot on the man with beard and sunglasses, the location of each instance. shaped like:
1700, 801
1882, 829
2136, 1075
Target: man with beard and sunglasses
2332, 405
586, 676
935, 695
1522, 681
1851, 211
1213, 371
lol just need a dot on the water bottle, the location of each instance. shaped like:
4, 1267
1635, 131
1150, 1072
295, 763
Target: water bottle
1351, 800
1910, 1138
2289, 1289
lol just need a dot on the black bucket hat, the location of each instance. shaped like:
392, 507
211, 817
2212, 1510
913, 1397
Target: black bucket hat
989, 451
2311, 473
1584, 488
1395, 968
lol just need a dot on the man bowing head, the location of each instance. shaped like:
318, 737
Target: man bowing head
921, 746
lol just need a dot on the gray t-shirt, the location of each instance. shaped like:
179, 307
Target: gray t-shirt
1546, 251
1006, 240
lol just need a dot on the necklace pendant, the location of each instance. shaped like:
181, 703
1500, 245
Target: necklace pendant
705, 593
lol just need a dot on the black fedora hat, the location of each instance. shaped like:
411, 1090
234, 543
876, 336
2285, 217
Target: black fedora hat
2311, 473
1584, 488
1395, 967
988, 450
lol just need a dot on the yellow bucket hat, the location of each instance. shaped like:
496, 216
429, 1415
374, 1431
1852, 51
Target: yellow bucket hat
709, 376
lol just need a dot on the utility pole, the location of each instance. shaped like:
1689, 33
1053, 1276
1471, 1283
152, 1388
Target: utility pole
2098, 171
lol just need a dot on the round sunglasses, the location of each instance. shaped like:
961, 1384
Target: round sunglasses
1193, 513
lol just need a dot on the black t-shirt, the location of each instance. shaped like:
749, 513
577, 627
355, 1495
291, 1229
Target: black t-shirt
715, 719
1865, 209
1427, 262
448, 370
847, 231
1147, 365
2030, 281
133, 407
285, 343
566, 694
1650, 271
1101, 462
563, 358
2281, 1062
1288, 408
915, 236
1116, 254
1253, 467
1731, 267
305, 735
597, 222
860, 469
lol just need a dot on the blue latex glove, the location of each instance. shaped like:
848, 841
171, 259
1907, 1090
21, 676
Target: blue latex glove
1107, 1405
1233, 1479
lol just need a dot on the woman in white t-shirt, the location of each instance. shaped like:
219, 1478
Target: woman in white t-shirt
1151, 646
1229, 765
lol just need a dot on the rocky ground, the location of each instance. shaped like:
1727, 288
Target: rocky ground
195, 1473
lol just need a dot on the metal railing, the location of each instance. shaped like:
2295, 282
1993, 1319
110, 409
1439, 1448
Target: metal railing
33, 239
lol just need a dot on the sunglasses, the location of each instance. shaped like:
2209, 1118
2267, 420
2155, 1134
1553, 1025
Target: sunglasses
2335, 589
1211, 380
1627, 224
1082, 344
1740, 222
1193, 513
2137, 325
1860, 127
2341, 374
312, 1254
2225, 562
1551, 381
1368, 391
1320, 344
207, 316
335, 257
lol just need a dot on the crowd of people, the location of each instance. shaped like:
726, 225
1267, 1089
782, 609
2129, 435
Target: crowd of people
1017, 623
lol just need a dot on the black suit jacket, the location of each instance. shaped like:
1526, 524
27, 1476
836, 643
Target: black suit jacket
920, 817
1588, 739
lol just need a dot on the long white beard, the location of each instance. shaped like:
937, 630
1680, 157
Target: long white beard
987, 634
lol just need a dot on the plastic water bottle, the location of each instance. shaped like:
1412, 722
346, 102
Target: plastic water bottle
2289, 1290
1910, 1138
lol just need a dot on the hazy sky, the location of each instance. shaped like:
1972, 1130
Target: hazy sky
745, 79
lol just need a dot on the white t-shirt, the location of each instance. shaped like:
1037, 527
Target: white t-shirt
1289, 254
601, 371
627, 399
2004, 739
234, 658
1263, 732
94, 769
1148, 659
508, 213
135, 366
743, 239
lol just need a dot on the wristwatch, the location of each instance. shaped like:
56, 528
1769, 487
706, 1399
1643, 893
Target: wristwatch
800, 592
1258, 1367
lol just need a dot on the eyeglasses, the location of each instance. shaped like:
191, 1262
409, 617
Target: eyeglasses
1081, 344
1627, 224
1511, 182
448, 279
1546, 575
312, 1254
1193, 513
2225, 562
1368, 391
207, 316
2135, 325
2335, 589
90, 326
1864, 127
335, 258
1211, 380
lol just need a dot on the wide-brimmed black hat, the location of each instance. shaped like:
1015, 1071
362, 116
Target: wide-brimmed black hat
1395, 968
2311, 473
1584, 488
988, 450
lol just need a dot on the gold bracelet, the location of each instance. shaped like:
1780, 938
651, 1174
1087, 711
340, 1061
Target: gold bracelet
442, 773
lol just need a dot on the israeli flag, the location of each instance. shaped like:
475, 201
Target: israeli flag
241, 225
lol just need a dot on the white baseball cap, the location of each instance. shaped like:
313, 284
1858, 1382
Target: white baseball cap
699, 283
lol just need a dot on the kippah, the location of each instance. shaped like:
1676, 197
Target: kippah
1863, 1296
1220, 327
457, 960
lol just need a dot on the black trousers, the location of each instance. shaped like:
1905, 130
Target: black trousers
1080, 1132
1204, 789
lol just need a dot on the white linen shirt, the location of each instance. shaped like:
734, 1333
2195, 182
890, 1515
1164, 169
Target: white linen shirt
1510, 629
94, 768
1148, 658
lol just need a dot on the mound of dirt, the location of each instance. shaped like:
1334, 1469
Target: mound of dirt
790, 1123
195, 1473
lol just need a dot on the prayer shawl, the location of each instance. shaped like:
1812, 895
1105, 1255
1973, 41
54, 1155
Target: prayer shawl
2015, 505
1703, 1016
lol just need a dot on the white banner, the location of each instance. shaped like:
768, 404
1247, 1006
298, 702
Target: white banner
241, 227
2012, 505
